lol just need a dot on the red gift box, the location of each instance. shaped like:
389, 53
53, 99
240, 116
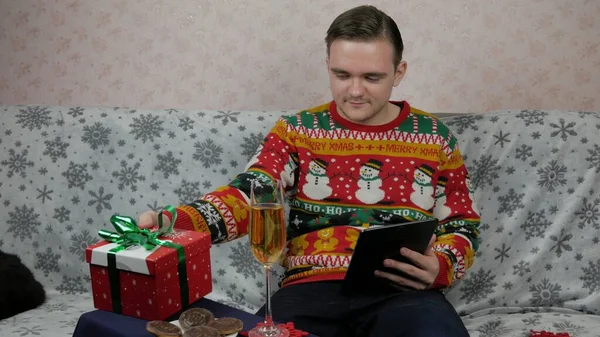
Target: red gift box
151, 284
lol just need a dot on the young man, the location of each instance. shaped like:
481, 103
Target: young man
353, 162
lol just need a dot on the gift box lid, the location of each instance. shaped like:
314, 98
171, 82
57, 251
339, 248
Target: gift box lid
138, 259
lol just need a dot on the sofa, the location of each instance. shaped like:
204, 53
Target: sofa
65, 170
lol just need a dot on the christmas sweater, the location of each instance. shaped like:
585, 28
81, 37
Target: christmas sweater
342, 177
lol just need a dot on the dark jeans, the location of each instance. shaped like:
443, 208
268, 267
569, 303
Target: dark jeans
320, 309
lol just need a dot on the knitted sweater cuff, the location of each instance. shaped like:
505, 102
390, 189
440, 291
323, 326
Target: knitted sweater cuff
183, 220
441, 281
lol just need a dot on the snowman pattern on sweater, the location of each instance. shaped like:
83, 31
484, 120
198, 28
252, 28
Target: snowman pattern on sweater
441, 211
288, 175
317, 182
369, 183
422, 195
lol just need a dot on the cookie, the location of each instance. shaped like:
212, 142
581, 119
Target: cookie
195, 317
201, 331
227, 325
163, 329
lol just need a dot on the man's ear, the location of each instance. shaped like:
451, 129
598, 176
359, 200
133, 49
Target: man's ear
327, 62
400, 72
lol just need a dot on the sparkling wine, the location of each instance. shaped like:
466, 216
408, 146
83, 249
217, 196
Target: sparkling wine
267, 232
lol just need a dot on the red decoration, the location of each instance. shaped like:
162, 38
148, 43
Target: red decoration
289, 326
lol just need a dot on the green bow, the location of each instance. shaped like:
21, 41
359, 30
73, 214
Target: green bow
129, 234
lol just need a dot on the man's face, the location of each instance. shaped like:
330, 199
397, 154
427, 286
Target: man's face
362, 76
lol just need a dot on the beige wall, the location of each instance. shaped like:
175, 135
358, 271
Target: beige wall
463, 55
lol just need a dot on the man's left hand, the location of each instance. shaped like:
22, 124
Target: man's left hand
424, 271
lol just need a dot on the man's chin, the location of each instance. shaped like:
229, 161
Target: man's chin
360, 119
359, 115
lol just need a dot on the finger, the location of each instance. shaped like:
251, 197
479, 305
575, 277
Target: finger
165, 220
408, 269
431, 242
418, 259
147, 219
429, 249
400, 280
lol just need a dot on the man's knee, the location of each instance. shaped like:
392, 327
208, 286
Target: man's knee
422, 319
414, 326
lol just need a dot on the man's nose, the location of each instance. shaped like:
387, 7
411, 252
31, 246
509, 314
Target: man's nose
356, 88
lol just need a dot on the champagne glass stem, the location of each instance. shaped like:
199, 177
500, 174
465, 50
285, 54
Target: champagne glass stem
268, 313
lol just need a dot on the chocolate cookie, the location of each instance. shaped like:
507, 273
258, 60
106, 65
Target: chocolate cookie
195, 317
227, 325
163, 329
201, 331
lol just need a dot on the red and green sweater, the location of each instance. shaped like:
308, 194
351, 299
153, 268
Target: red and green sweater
343, 177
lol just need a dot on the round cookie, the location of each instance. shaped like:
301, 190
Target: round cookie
201, 331
163, 329
195, 317
227, 325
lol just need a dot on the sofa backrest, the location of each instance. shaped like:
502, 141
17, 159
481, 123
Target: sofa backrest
65, 170
537, 180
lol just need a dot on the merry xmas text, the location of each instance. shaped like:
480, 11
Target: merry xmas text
347, 146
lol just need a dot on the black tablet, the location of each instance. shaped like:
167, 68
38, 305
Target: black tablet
378, 243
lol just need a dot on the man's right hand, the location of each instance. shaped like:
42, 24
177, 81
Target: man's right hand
149, 219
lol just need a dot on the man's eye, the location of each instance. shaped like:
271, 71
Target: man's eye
372, 79
342, 76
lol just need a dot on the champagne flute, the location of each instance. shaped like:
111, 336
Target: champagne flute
267, 234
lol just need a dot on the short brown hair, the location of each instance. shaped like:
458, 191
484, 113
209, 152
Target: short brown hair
366, 23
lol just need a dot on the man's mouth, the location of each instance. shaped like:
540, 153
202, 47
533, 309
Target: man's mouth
356, 103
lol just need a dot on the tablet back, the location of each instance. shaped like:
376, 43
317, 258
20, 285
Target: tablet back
378, 243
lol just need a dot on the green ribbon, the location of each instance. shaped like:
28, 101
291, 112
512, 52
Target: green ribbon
129, 234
